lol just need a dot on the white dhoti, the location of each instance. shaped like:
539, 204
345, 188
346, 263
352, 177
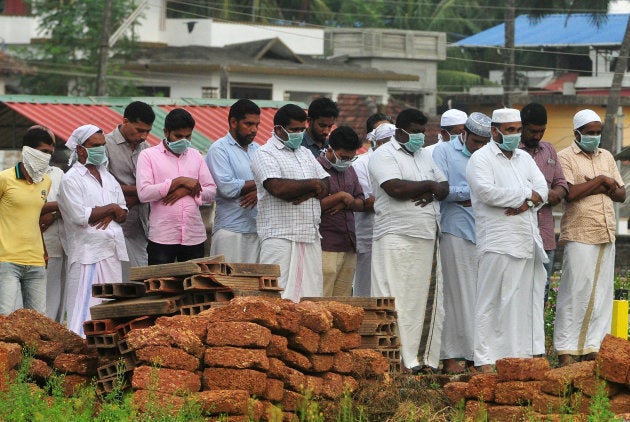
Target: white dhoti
408, 269
56, 288
338, 271
585, 298
459, 270
236, 247
300, 266
79, 283
509, 318
362, 284
137, 252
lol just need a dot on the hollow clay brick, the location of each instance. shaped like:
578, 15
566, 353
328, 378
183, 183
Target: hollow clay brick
167, 357
238, 334
236, 357
170, 381
522, 369
234, 379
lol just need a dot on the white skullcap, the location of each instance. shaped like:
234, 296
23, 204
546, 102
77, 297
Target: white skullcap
506, 115
453, 117
479, 124
80, 135
584, 117
386, 130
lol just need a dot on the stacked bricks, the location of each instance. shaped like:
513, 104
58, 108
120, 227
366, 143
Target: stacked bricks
270, 349
528, 389
379, 330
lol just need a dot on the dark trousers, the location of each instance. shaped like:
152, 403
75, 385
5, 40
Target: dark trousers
165, 254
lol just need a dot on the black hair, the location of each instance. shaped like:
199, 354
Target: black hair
322, 107
179, 119
376, 117
138, 111
35, 137
343, 137
534, 114
288, 112
241, 108
411, 115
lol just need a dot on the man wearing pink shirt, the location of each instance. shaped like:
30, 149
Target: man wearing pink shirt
175, 180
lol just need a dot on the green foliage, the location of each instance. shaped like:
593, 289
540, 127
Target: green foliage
67, 62
456, 81
600, 410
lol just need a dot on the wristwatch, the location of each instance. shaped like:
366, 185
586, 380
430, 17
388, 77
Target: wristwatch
530, 203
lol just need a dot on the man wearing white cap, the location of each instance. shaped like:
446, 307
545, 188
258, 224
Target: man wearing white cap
587, 230
93, 207
405, 261
451, 127
457, 243
506, 190
364, 221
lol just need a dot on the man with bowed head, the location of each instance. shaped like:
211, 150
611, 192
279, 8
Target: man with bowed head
506, 191
405, 260
290, 184
93, 207
587, 229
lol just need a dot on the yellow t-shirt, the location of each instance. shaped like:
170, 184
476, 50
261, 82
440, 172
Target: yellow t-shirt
20, 206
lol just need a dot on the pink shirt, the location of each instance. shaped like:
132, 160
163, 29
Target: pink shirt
181, 222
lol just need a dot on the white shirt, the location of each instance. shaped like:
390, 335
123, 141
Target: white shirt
53, 236
80, 192
497, 183
403, 217
279, 218
364, 221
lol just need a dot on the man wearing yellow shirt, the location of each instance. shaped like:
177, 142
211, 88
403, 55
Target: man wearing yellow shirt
23, 192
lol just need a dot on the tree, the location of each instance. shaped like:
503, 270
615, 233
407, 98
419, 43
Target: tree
67, 62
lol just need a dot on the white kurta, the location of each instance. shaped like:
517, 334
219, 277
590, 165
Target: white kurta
585, 298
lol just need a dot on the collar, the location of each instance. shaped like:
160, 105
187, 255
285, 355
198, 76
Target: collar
496, 150
118, 136
310, 142
324, 161
81, 168
18, 173
577, 150
523, 147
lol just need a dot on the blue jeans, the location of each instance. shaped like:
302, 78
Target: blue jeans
31, 280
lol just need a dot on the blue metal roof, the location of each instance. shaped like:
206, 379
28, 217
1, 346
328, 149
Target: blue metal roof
557, 30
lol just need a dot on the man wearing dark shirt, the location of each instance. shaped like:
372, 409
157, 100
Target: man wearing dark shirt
322, 114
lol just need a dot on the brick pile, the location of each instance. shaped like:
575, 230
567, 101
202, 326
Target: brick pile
270, 349
379, 330
528, 389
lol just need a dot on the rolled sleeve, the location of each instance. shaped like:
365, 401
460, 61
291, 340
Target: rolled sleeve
148, 190
480, 177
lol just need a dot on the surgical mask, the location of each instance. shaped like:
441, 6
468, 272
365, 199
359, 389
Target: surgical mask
96, 155
589, 142
294, 141
456, 137
415, 142
510, 142
180, 146
465, 151
36, 163
339, 164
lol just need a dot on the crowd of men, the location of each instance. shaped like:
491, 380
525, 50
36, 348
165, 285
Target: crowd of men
460, 233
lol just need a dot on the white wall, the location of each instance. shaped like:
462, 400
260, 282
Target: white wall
18, 29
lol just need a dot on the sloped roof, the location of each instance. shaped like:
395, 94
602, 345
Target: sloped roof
556, 30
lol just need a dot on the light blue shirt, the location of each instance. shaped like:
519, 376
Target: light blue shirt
456, 219
229, 165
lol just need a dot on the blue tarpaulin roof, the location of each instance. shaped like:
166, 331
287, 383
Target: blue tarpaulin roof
557, 30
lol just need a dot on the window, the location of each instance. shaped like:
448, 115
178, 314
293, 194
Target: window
209, 92
250, 91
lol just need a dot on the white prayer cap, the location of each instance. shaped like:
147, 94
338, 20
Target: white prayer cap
584, 117
80, 135
479, 124
506, 115
386, 130
453, 117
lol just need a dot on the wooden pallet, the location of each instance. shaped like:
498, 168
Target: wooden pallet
118, 290
139, 307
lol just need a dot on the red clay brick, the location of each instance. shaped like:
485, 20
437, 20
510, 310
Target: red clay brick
292, 378
297, 360
274, 389
231, 402
476, 410
167, 357
516, 392
350, 383
236, 357
620, 403
557, 417
314, 384
482, 386
238, 334
330, 341
49, 350
559, 381
14, 353
291, 400
271, 412
321, 362
278, 346
315, 316
522, 369
248, 309
507, 413
39, 370
589, 386
342, 363
164, 380
76, 364
305, 340
234, 379
289, 317
333, 385
614, 358
195, 324
71, 383
159, 335
350, 341
368, 363
547, 403
345, 317
456, 391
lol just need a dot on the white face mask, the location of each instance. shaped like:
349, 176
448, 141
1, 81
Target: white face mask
35, 162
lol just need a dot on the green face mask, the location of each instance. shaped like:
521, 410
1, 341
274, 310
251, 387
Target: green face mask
589, 143
294, 141
510, 142
180, 146
96, 155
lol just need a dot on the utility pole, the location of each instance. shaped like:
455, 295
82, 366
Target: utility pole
101, 82
509, 73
